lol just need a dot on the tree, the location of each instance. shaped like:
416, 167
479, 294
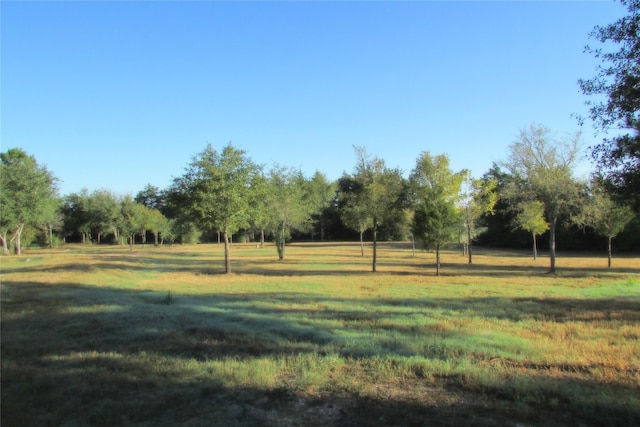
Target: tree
157, 223
151, 197
319, 195
435, 193
75, 210
601, 212
27, 191
618, 81
352, 203
102, 211
543, 170
479, 198
531, 218
286, 205
376, 195
218, 191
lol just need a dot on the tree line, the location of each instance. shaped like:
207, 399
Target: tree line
223, 194
533, 191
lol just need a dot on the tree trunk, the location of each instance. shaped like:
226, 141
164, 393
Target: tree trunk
18, 235
552, 244
155, 238
261, 237
375, 245
361, 243
437, 259
413, 245
50, 236
280, 242
321, 230
3, 242
227, 259
469, 245
535, 247
609, 251
131, 242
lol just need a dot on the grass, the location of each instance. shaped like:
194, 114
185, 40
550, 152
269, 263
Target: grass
105, 336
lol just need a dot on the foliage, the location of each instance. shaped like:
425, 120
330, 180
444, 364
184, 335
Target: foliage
319, 194
371, 197
218, 191
28, 192
435, 192
286, 205
530, 217
479, 198
543, 170
601, 212
617, 80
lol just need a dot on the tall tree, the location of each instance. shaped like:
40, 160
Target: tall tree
435, 190
479, 198
617, 80
287, 207
219, 191
530, 217
378, 194
543, 170
26, 193
601, 212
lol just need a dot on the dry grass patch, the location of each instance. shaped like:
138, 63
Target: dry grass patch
106, 336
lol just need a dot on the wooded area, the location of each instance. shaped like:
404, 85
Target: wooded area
225, 195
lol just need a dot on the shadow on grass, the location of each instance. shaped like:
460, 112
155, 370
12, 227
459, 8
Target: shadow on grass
88, 355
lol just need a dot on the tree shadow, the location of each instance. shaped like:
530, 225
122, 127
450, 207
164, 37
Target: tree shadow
88, 355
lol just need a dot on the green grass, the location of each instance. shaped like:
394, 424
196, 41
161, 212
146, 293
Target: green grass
105, 336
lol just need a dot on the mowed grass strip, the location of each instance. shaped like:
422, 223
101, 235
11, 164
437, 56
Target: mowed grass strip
108, 336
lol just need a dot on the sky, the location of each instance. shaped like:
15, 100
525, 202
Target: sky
121, 94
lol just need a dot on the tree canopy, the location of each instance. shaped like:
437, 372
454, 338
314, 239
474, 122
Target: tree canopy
617, 80
27, 191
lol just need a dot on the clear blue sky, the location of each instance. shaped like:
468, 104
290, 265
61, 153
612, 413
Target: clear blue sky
120, 94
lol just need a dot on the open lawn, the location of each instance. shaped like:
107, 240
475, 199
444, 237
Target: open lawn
158, 337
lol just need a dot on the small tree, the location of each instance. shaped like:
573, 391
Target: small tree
478, 198
601, 212
286, 205
218, 191
354, 213
435, 193
530, 217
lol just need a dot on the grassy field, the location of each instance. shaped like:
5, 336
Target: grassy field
158, 337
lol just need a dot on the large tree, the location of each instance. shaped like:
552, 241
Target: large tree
218, 191
435, 194
27, 191
616, 89
543, 169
